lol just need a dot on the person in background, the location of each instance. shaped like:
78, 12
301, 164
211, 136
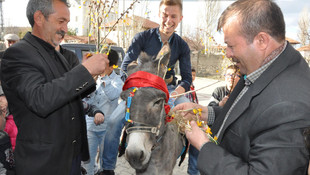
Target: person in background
44, 91
193, 152
192, 96
7, 164
150, 42
9, 39
105, 98
260, 128
221, 94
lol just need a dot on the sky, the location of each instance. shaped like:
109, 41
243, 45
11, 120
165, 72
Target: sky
14, 13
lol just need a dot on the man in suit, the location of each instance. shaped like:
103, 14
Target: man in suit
260, 128
9, 39
44, 91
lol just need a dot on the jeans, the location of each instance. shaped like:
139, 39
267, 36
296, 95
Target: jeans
95, 140
179, 100
192, 161
112, 137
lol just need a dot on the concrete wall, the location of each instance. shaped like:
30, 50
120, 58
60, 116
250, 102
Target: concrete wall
209, 65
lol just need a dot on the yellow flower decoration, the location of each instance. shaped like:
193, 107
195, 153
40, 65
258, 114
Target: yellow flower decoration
208, 130
169, 69
199, 123
195, 111
134, 90
115, 66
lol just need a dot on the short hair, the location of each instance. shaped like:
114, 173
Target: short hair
193, 70
171, 3
45, 6
112, 57
256, 16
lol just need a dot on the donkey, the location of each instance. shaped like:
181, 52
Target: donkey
153, 145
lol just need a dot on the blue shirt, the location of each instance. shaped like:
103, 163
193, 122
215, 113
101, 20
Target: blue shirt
105, 98
149, 41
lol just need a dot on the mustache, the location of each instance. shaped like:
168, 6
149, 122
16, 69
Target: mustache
61, 32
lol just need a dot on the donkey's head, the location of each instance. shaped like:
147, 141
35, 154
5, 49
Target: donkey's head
147, 111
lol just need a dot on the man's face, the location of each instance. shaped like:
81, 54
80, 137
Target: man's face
170, 17
9, 43
231, 78
245, 55
193, 76
55, 27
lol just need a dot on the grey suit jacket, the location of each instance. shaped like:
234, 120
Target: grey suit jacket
263, 134
41, 100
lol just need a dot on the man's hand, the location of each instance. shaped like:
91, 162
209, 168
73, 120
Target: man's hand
99, 118
95, 64
196, 136
190, 114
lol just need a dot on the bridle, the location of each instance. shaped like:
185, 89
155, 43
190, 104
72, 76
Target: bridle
137, 81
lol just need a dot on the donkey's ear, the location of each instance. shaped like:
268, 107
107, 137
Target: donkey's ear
132, 67
163, 55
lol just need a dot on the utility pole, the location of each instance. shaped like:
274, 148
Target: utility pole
1, 20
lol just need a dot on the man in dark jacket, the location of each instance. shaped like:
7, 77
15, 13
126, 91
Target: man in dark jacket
44, 91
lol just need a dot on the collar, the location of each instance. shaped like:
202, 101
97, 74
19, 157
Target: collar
47, 46
111, 76
251, 78
159, 37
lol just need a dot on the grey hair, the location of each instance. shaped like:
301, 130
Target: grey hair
45, 6
256, 16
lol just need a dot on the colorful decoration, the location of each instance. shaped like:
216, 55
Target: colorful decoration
184, 123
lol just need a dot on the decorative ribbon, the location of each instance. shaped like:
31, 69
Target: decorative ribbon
146, 79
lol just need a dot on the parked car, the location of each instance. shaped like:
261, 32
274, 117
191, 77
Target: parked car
81, 49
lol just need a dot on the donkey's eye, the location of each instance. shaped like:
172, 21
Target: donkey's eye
157, 102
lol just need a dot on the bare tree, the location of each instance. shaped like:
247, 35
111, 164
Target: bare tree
99, 12
304, 27
210, 16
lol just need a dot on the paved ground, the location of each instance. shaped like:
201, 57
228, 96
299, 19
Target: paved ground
208, 85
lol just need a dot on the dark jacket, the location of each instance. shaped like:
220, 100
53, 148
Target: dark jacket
41, 99
263, 133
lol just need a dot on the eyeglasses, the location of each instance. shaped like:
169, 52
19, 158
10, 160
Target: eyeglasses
232, 75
